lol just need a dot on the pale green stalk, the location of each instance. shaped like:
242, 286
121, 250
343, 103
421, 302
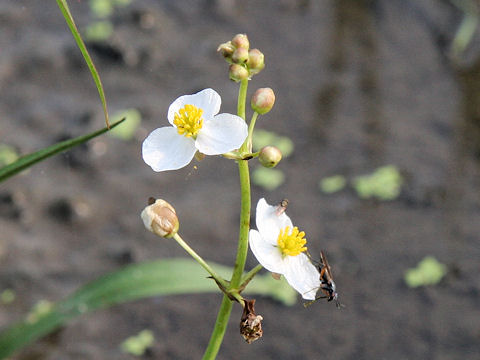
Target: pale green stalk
202, 262
251, 274
226, 306
250, 131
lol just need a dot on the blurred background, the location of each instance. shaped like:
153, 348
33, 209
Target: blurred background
378, 110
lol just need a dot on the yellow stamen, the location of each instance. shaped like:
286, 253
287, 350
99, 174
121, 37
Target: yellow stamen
291, 244
188, 120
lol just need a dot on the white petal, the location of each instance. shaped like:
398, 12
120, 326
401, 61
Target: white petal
224, 133
269, 223
267, 255
302, 275
164, 149
208, 100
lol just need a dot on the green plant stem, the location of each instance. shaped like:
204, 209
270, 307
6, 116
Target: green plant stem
251, 274
202, 262
250, 131
242, 248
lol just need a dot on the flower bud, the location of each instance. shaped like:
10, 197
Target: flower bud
263, 100
256, 61
160, 218
238, 72
250, 323
241, 41
269, 156
240, 56
226, 49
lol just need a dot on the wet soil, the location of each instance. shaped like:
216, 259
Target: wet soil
359, 84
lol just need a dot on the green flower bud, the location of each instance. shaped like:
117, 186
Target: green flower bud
160, 218
240, 56
263, 100
241, 41
256, 61
238, 72
269, 156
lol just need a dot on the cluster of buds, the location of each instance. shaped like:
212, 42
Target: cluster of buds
244, 62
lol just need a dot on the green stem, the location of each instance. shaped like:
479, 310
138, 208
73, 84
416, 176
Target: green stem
202, 262
242, 248
250, 131
219, 330
251, 274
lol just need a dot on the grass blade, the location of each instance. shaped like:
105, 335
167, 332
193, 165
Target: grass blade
28, 160
62, 4
161, 277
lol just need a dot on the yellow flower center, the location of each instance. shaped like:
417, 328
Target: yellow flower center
291, 243
188, 120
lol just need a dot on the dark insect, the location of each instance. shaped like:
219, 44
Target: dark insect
327, 285
282, 206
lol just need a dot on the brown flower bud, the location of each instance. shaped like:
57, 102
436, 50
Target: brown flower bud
226, 49
263, 100
269, 156
241, 41
256, 61
160, 218
238, 73
250, 323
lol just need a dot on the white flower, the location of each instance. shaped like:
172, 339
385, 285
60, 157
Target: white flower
279, 247
195, 126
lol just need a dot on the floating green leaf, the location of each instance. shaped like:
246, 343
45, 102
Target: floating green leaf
263, 138
122, 2
99, 30
138, 344
162, 277
128, 128
384, 184
26, 161
39, 310
269, 179
429, 271
7, 155
7, 296
101, 8
332, 184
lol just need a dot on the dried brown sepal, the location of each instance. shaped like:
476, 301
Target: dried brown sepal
251, 323
276, 276
223, 289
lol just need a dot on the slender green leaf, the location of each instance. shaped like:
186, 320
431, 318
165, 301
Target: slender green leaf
161, 277
62, 4
28, 160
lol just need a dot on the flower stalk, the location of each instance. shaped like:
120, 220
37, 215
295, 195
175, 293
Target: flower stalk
218, 279
242, 248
